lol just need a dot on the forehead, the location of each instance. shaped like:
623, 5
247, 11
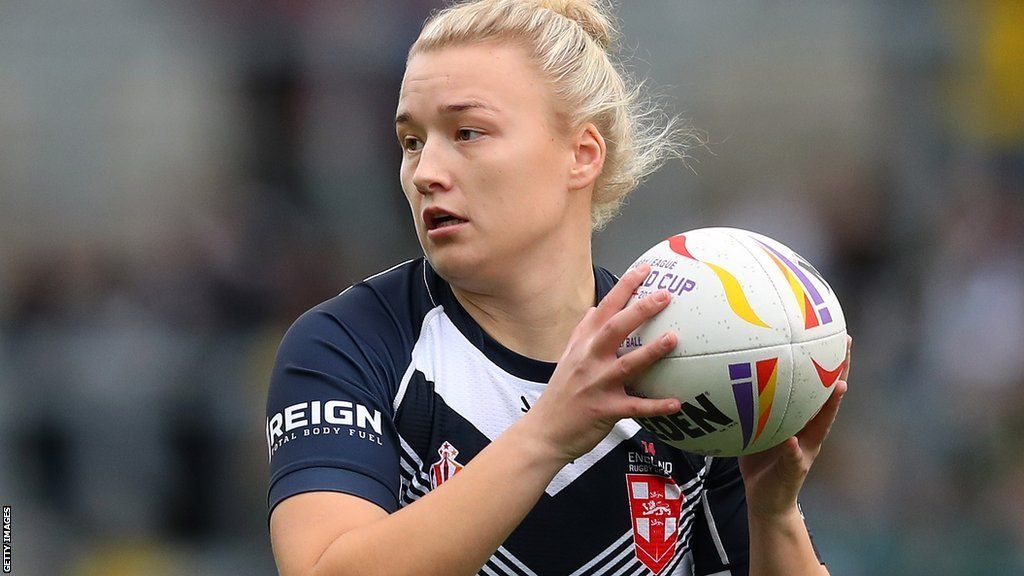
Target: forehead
500, 76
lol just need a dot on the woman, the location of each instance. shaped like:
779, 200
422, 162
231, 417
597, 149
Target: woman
466, 413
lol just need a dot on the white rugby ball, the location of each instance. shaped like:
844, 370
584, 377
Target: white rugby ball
761, 341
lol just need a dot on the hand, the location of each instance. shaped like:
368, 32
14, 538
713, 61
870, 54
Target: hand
773, 478
586, 395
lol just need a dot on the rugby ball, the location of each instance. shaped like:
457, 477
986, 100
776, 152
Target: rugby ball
761, 341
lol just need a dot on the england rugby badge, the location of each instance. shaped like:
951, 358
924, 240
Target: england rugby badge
654, 504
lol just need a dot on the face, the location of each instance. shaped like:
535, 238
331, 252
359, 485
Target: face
485, 171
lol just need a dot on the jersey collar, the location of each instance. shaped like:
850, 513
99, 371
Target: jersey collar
508, 360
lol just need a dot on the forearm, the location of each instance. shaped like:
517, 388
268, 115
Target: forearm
455, 528
781, 546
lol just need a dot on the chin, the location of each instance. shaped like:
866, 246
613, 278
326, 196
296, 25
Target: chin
459, 266
449, 264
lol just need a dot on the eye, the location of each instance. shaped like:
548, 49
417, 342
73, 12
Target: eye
411, 144
468, 134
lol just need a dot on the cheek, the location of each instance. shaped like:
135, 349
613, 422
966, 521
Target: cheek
405, 180
413, 199
542, 178
410, 200
544, 155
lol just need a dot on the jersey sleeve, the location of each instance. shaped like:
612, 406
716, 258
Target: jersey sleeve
330, 421
721, 542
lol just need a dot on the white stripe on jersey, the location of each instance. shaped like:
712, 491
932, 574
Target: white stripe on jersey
368, 278
627, 536
711, 522
413, 466
413, 488
629, 550
498, 563
427, 284
503, 553
403, 387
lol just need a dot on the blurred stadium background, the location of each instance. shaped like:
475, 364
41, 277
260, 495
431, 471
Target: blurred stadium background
180, 180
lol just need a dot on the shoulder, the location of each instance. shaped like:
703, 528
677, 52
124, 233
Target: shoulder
369, 329
604, 281
602, 274
395, 299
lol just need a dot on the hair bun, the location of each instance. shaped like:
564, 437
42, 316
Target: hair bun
592, 15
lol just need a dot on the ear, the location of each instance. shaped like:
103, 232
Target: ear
588, 157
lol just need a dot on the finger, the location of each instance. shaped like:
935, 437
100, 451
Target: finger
634, 407
845, 374
814, 433
617, 297
636, 362
625, 321
791, 452
586, 321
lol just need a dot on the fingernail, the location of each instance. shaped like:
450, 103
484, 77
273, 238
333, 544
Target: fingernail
666, 340
661, 297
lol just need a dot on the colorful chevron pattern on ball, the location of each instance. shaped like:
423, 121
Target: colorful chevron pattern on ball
734, 294
746, 399
812, 305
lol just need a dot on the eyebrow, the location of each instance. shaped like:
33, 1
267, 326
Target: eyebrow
447, 109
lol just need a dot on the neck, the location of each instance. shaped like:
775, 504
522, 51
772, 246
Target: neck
534, 310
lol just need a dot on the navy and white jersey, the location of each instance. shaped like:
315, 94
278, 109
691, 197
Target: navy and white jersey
388, 389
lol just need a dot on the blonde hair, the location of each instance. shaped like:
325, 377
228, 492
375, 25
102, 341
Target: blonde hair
570, 41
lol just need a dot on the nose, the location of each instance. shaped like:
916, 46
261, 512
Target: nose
432, 174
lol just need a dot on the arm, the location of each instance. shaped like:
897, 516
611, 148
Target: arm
452, 530
584, 399
779, 542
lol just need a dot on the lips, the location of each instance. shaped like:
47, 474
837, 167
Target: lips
436, 218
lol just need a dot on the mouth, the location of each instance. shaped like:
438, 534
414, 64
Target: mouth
437, 218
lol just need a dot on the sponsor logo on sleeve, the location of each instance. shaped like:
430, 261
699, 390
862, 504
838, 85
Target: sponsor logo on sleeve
323, 418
